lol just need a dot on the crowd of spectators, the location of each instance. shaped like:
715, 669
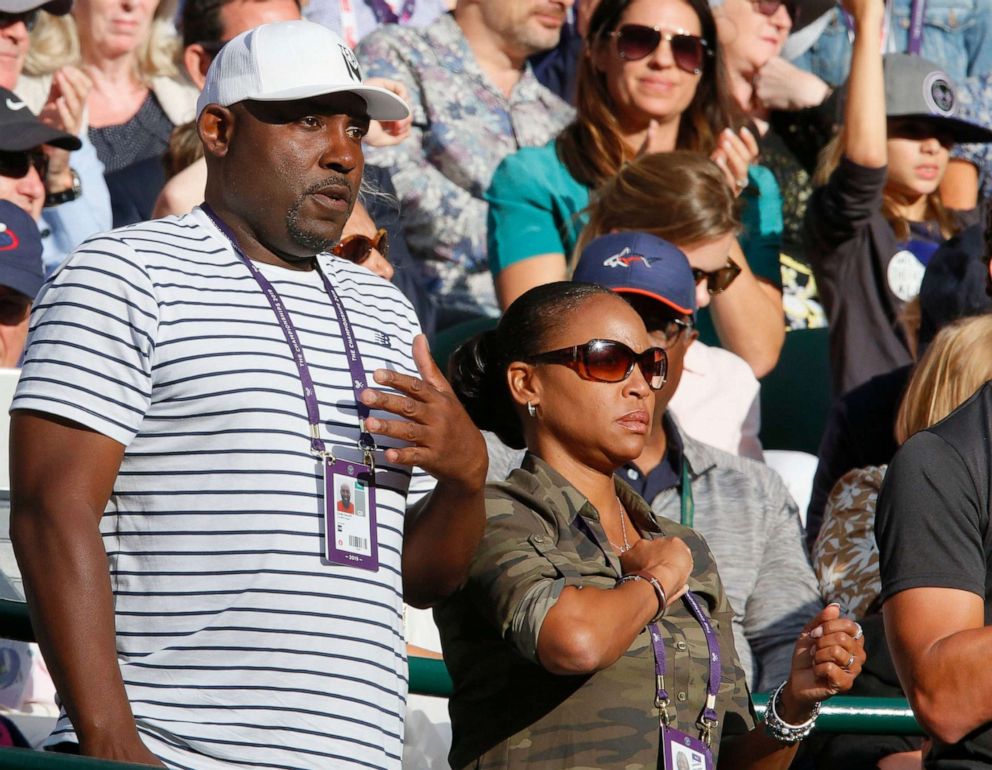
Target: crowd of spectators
231, 226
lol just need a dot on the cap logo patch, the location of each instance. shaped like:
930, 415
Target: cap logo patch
15, 106
351, 62
8, 239
938, 94
625, 259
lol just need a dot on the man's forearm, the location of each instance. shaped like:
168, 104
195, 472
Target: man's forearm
64, 568
440, 542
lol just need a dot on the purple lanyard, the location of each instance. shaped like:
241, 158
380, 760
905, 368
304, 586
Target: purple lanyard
365, 441
916, 27
384, 13
917, 12
709, 717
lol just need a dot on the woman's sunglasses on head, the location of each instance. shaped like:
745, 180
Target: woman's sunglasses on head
717, 281
16, 165
358, 248
637, 41
608, 361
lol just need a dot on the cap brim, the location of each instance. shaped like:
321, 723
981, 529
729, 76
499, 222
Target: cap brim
381, 104
645, 293
24, 281
54, 7
25, 134
963, 131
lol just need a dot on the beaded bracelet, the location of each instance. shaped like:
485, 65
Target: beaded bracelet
659, 590
781, 730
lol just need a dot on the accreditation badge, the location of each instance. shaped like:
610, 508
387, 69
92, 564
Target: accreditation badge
683, 752
349, 515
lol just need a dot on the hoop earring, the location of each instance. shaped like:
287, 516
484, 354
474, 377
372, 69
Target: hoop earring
531, 409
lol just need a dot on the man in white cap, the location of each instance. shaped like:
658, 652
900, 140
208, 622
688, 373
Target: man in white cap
193, 393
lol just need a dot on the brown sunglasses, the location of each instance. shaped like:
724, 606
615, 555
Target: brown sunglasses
717, 281
357, 248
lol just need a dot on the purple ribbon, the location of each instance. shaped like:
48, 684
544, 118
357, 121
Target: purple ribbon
384, 13
916, 26
713, 649
365, 440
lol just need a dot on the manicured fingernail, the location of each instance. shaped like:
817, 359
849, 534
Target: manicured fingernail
745, 130
817, 632
834, 604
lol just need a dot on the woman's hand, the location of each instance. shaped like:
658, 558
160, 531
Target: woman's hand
64, 111
384, 133
667, 558
734, 154
828, 657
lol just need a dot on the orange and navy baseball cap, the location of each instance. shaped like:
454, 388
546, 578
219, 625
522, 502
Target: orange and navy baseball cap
639, 263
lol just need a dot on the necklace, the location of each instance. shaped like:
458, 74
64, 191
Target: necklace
623, 530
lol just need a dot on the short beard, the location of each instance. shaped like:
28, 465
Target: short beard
309, 240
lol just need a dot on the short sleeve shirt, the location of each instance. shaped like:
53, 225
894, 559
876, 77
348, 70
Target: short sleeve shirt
238, 644
509, 712
932, 527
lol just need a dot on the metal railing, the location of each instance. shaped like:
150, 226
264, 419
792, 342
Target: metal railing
429, 676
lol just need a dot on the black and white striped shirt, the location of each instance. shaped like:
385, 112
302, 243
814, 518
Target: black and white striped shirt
238, 644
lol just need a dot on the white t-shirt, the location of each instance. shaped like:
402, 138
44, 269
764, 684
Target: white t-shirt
717, 401
239, 646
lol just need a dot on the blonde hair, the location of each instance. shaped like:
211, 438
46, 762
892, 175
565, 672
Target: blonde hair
55, 44
827, 163
957, 363
679, 196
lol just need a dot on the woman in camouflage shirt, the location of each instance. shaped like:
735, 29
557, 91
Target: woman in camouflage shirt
552, 663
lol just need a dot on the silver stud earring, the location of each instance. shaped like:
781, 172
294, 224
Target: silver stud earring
531, 409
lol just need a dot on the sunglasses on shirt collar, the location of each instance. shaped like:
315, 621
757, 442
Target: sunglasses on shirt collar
16, 165
637, 41
608, 361
358, 248
717, 281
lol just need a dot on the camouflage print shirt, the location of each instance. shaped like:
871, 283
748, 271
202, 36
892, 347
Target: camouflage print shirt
507, 711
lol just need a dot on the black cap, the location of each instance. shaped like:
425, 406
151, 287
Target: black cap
21, 130
955, 283
20, 251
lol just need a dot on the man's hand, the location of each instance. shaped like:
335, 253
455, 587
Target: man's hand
383, 133
117, 750
64, 111
780, 85
443, 440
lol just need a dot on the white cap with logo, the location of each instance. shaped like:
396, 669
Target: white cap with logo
289, 60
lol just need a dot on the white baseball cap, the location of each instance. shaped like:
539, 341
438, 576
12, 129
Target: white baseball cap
289, 60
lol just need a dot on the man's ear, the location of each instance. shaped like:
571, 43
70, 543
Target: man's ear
216, 129
523, 383
196, 61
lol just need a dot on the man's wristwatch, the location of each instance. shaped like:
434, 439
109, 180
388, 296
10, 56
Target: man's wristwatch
65, 196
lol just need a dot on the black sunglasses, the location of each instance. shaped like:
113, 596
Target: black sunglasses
637, 41
357, 248
608, 361
16, 165
770, 7
670, 328
717, 281
30, 18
